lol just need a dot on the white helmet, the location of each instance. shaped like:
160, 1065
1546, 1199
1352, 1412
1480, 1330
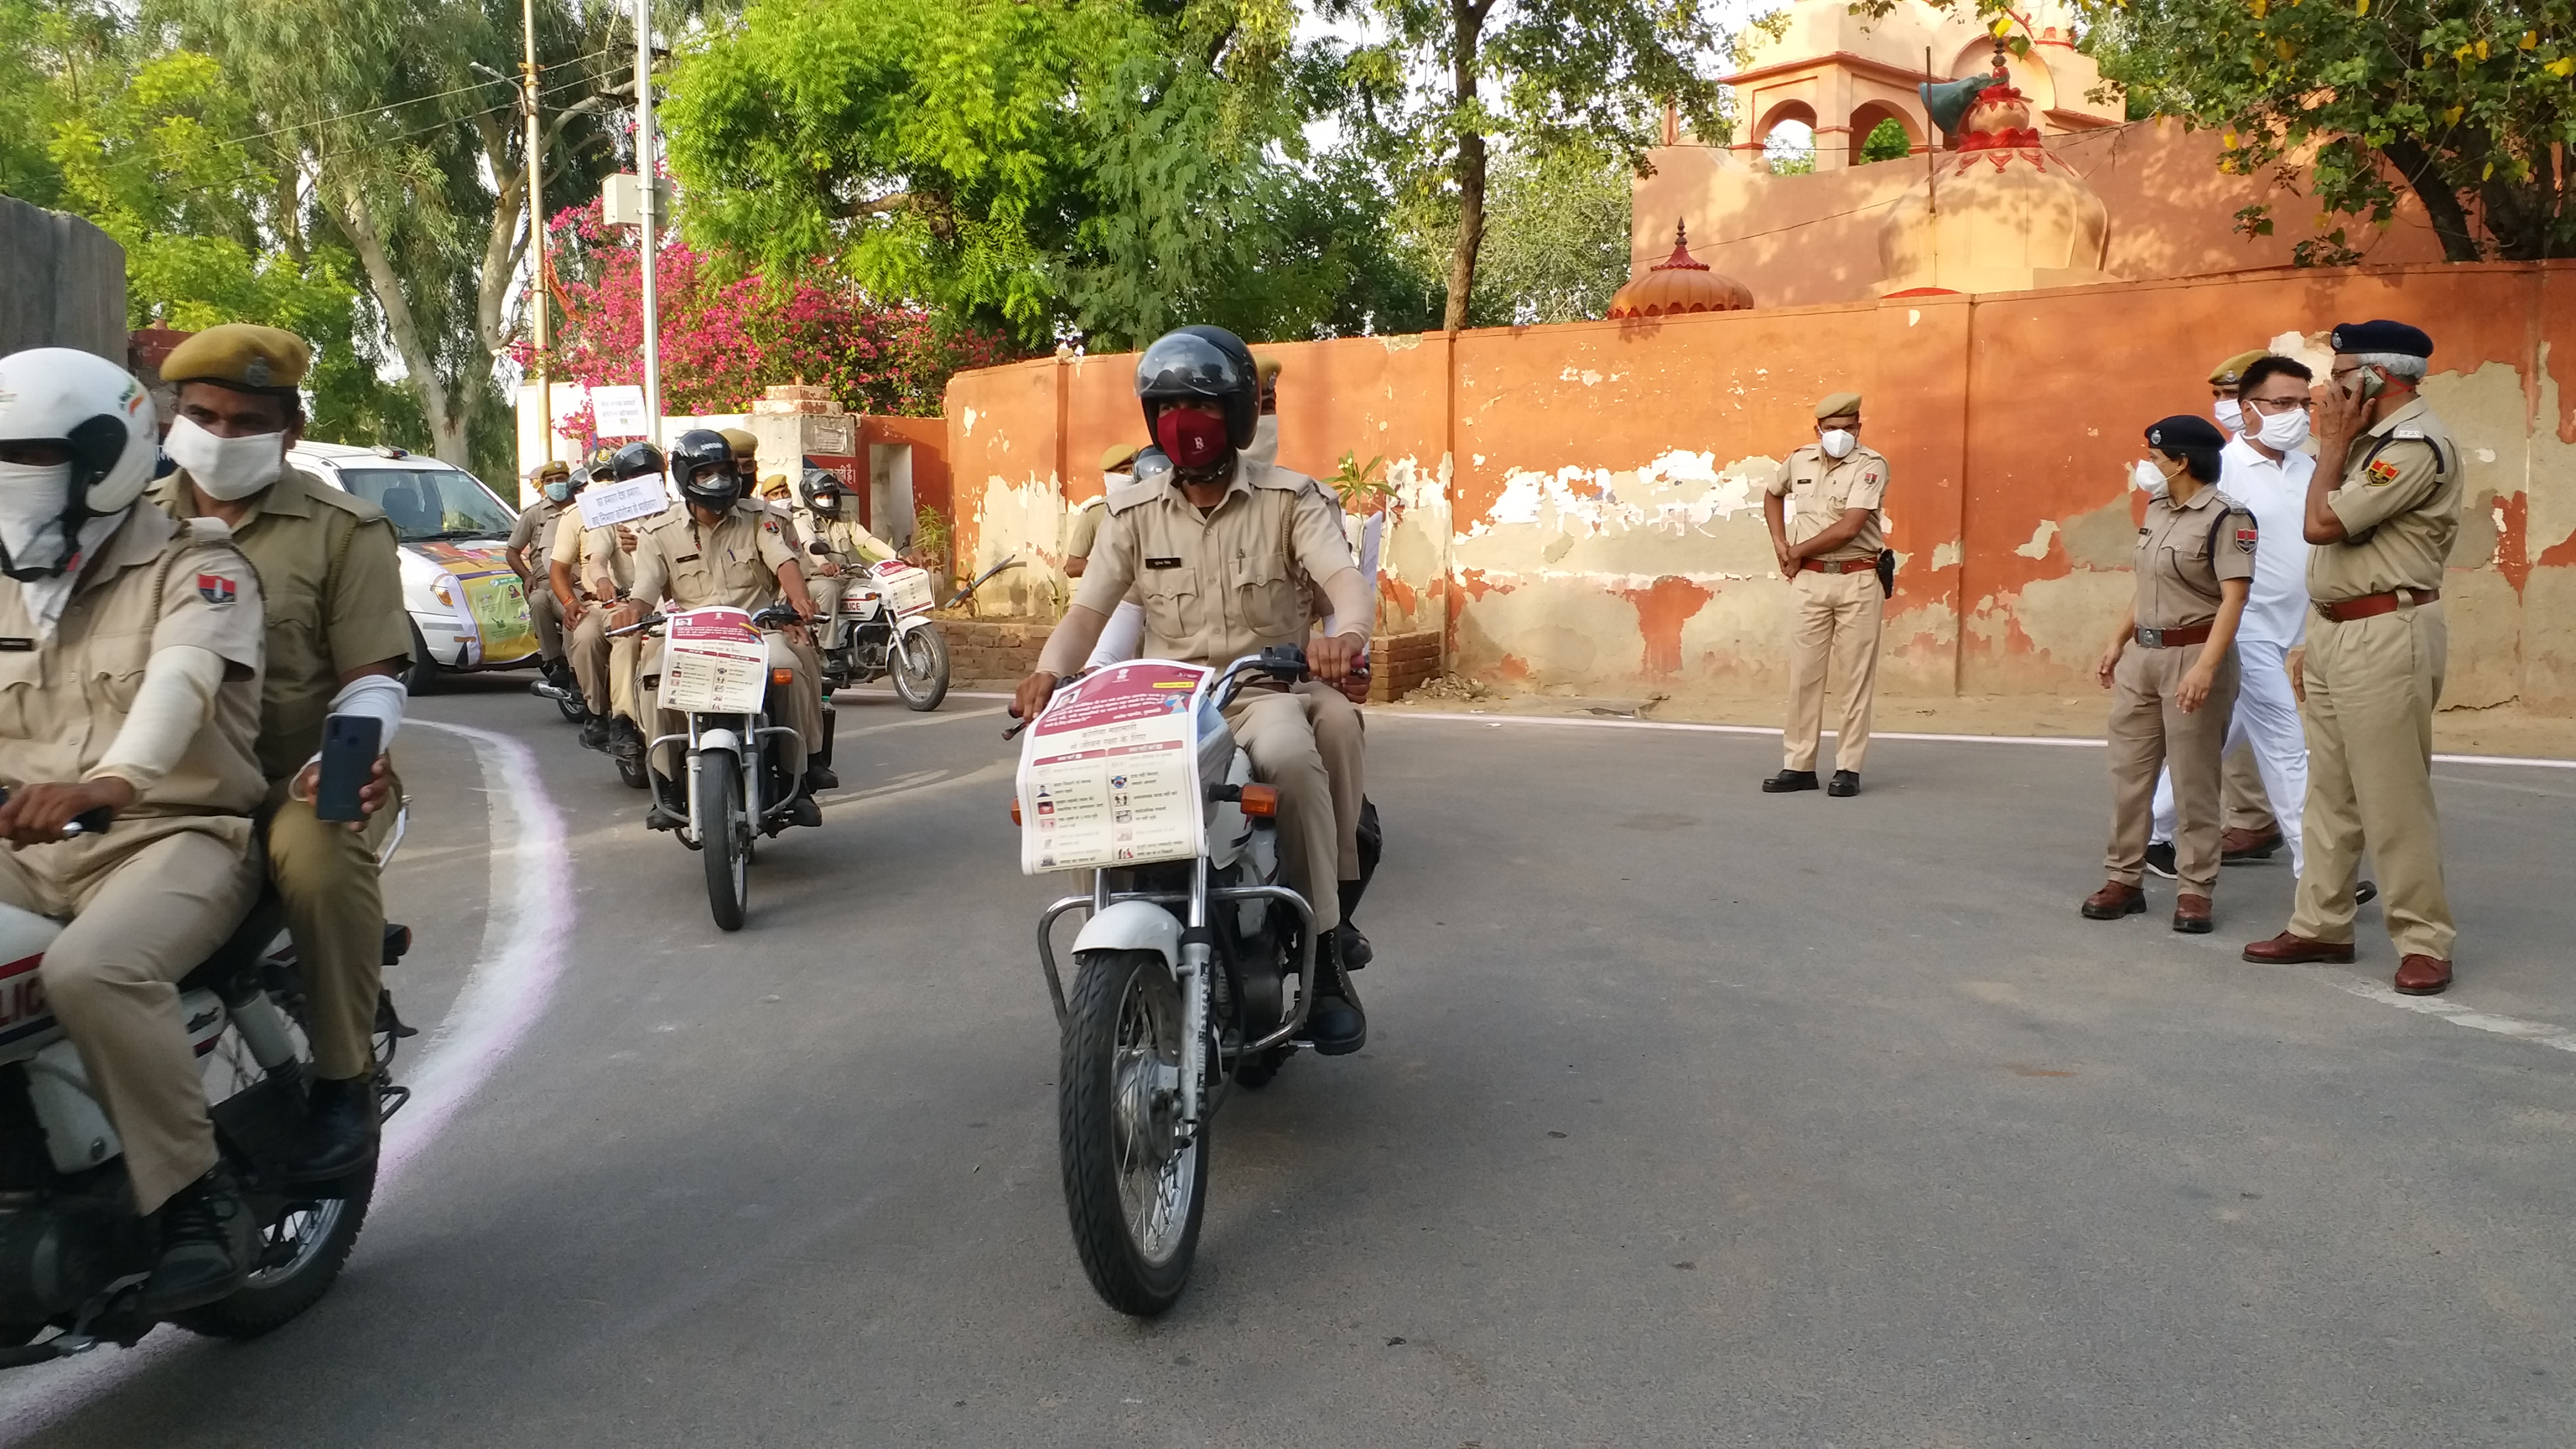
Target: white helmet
97, 411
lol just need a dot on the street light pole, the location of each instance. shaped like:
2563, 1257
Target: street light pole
647, 195
535, 160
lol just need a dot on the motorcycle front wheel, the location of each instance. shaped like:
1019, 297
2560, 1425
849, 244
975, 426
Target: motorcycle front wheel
918, 662
1134, 1190
723, 837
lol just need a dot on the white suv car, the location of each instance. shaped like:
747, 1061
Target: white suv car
468, 609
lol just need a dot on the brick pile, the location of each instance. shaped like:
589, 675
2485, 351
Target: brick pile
1402, 663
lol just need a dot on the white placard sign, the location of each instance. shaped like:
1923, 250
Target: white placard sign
714, 662
1109, 773
618, 412
604, 504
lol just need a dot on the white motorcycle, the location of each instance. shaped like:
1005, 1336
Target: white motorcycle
73, 1254
877, 625
718, 667
1184, 968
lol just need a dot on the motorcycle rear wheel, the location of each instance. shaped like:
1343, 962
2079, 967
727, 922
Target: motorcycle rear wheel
721, 841
323, 1232
1134, 1192
918, 662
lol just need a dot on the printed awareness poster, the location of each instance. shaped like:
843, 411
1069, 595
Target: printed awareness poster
1109, 775
713, 662
605, 504
618, 411
496, 603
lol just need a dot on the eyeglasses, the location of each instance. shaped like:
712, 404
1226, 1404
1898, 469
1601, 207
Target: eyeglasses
2278, 405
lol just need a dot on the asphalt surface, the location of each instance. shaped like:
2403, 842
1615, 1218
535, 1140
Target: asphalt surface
1689, 1116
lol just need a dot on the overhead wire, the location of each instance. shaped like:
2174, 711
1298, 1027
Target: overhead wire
498, 80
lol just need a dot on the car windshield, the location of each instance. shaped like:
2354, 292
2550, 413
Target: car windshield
428, 504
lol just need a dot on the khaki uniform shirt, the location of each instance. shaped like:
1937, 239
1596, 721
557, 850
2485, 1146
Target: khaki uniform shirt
2400, 506
1223, 584
852, 546
330, 575
734, 564
599, 565
1084, 530
1820, 490
533, 536
2184, 552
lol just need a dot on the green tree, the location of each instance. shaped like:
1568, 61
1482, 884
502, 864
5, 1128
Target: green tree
1445, 78
1556, 238
2468, 104
1886, 141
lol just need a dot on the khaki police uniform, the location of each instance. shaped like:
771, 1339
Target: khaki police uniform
149, 900
2183, 554
331, 576
2377, 648
532, 538
601, 570
1223, 584
1836, 602
734, 565
1083, 530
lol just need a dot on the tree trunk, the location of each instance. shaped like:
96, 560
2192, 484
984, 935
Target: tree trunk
2441, 203
450, 420
1469, 21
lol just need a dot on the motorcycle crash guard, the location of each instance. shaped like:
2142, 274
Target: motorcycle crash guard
1133, 926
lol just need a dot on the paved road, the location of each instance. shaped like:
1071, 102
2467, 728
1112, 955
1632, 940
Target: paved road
1691, 1116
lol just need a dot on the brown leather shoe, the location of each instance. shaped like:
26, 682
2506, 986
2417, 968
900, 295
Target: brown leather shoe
2423, 976
2242, 845
2113, 901
2286, 949
2191, 915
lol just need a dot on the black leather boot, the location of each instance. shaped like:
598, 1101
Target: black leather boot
1335, 1024
340, 1123
207, 1239
594, 732
1355, 949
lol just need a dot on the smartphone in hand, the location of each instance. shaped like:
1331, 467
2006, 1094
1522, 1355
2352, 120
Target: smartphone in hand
349, 749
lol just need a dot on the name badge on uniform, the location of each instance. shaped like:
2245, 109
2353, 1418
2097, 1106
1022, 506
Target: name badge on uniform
17, 646
686, 558
1162, 563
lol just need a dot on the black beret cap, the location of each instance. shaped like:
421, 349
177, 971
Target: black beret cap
2382, 335
2184, 433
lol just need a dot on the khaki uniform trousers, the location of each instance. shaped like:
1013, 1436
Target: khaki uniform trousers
326, 875
2249, 807
1833, 629
2149, 732
802, 707
146, 909
2372, 684
545, 612
1306, 742
603, 667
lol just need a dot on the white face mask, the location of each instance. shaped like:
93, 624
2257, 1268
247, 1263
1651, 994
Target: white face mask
227, 468
2230, 414
1838, 442
2283, 431
31, 510
2149, 479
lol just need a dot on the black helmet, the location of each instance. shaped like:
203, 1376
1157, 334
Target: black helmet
822, 492
635, 460
702, 464
1207, 363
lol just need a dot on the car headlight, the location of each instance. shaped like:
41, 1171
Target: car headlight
443, 589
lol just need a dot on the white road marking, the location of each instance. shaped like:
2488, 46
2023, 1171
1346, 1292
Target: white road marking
526, 928
2539, 1032
933, 718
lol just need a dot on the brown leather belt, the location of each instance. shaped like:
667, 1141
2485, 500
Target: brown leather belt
2173, 638
1837, 566
2344, 611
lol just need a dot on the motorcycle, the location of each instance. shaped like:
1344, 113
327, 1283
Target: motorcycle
73, 1254
718, 665
877, 624
1185, 967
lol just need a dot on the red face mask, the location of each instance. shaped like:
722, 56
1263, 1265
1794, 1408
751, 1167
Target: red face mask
1190, 438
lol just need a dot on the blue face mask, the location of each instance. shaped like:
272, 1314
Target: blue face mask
559, 492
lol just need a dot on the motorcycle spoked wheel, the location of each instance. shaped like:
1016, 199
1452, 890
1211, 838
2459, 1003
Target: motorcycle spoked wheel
306, 1234
633, 771
723, 837
918, 665
1134, 1192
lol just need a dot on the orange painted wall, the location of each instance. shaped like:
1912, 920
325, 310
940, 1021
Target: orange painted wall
1582, 503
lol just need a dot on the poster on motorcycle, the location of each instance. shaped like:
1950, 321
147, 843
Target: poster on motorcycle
713, 662
906, 588
1109, 774
604, 504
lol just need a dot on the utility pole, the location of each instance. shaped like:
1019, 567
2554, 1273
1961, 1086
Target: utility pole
535, 161
648, 189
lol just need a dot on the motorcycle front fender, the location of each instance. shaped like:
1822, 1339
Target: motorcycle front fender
1133, 926
720, 739
907, 623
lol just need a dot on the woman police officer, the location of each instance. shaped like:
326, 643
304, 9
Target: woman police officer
2171, 668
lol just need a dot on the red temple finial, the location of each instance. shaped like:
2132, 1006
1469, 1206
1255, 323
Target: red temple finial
1681, 259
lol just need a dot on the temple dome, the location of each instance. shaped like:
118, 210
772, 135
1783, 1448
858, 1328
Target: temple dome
1679, 283
1999, 215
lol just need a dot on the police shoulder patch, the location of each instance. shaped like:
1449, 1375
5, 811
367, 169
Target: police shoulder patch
216, 589
2245, 537
2380, 471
